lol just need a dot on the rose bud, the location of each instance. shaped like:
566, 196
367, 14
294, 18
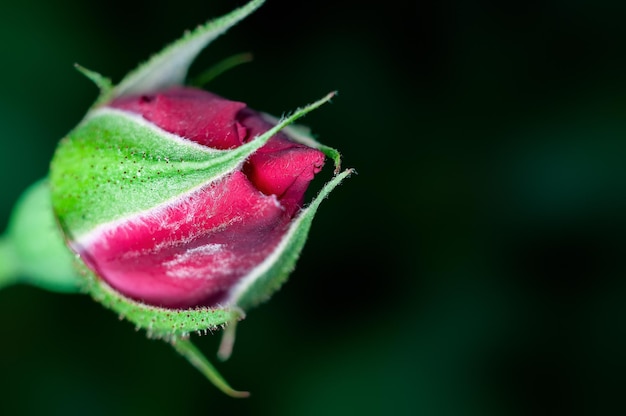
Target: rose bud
195, 234
185, 208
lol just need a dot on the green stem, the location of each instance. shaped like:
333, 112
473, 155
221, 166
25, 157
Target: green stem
185, 348
9, 264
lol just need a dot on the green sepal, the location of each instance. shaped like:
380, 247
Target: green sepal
186, 349
103, 83
171, 325
270, 275
169, 67
33, 250
218, 69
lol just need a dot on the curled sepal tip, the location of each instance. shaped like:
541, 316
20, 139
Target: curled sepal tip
186, 348
170, 66
218, 69
103, 83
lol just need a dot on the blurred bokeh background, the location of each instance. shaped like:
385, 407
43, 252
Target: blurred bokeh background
475, 266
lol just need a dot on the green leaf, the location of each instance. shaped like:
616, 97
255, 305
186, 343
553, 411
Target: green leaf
170, 66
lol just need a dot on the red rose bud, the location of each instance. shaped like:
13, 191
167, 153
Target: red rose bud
185, 208
180, 198
193, 245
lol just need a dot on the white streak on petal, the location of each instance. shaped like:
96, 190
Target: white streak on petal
191, 264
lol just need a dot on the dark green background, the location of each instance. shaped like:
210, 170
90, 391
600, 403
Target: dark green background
475, 266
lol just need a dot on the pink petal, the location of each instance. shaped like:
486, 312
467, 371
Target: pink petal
193, 114
190, 253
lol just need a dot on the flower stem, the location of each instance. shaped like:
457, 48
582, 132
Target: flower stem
185, 348
9, 265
